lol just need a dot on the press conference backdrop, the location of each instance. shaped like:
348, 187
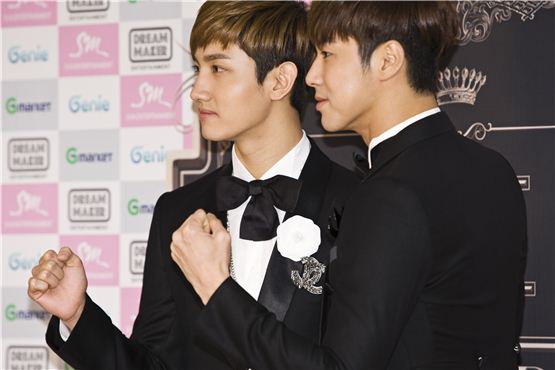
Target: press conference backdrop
92, 134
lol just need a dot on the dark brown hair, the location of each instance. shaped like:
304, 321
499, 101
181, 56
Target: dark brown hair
426, 30
270, 32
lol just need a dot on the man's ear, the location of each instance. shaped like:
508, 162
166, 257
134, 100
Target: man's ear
388, 60
281, 80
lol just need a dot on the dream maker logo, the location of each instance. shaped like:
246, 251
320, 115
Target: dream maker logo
15, 107
150, 44
85, 6
27, 357
30, 154
19, 55
137, 254
89, 205
74, 156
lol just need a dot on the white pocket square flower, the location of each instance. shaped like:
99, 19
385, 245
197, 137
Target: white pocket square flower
298, 237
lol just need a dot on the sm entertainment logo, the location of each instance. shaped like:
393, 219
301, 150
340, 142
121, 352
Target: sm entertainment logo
91, 254
150, 94
27, 357
88, 44
28, 203
150, 44
28, 154
89, 205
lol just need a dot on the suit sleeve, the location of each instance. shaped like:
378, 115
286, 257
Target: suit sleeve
383, 261
95, 343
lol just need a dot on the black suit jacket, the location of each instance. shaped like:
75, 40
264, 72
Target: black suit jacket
429, 271
163, 333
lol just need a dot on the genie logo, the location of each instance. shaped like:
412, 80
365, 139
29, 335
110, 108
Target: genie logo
73, 156
150, 94
12, 313
13, 106
88, 44
134, 207
78, 105
17, 55
140, 155
91, 254
26, 203
19, 262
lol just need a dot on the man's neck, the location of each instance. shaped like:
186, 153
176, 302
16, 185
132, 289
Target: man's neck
261, 148
392, 111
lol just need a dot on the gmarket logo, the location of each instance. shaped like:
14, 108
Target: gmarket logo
150, 44
73, 156
140, 155
12, 313
135, 207
17, 55
78, 104
14, 107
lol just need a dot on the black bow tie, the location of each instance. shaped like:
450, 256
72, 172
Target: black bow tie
260, 219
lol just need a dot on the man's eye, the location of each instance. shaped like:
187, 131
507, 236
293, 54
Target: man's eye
325, 54
195, 69
217, 69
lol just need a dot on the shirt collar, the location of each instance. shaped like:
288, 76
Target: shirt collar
291, 164
396, 129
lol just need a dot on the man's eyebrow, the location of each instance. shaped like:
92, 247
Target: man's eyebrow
211, 57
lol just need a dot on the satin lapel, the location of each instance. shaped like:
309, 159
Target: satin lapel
225, 170
278, 289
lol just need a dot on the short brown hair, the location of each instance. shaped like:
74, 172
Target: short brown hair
425, 29
270, 32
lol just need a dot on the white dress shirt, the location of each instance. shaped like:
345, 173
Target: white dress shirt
396, 129
250, 258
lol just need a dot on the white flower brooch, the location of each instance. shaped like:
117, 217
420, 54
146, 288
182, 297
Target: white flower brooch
297, 239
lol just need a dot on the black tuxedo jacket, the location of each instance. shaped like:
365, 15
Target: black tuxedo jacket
163, 333
429, 270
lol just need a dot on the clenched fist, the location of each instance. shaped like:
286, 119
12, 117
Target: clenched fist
58, 284
201, 247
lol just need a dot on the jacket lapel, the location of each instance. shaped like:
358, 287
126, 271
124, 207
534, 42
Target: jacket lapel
278, 289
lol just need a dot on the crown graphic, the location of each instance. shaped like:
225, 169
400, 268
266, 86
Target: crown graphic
459, 86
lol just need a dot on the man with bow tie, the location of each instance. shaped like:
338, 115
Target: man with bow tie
251, 59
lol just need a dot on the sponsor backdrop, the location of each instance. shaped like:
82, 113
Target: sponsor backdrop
92, 134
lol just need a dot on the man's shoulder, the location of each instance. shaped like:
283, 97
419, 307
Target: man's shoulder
192, 194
